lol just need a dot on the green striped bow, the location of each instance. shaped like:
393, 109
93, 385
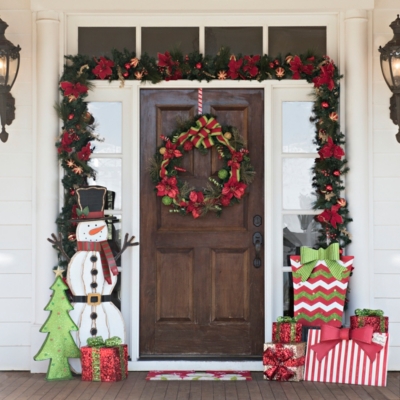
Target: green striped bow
286, 319
309, 258
366, 312
98, 341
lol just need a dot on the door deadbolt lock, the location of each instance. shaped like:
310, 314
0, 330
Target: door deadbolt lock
257, 241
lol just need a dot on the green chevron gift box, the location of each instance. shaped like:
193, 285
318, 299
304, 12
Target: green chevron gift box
320, 280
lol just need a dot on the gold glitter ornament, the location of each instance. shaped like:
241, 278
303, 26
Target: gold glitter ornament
162, 150
59, 344
228, 135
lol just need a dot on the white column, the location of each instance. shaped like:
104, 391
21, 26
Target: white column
47, 177
357, 153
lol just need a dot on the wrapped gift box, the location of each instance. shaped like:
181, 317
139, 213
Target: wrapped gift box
284, 361
374, 318
105, 364
286, 332
347, 361
320, 299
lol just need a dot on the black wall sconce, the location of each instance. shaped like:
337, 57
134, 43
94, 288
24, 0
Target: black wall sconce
390, 64
9, 66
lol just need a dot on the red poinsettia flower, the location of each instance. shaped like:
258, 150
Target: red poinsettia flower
103, 68
66, 141
168, 187
196, 203
171, 151
85, 153
234, 67
250, 66
331, 216
233, 188
326, 76
237, 158
297, 67
73, 89
165, 60
331, 150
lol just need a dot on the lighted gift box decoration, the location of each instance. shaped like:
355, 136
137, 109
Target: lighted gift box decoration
320, 280
286, 330
105, 361
354, 356
374, 318
284, 361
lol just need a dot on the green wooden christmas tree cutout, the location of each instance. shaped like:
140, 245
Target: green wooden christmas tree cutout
59, 344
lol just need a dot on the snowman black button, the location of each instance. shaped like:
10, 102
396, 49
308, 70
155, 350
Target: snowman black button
94, 272
93, 315
93, 331
93, 259
93, 285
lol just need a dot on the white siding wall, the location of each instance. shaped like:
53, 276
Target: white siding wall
386, 192
16, 177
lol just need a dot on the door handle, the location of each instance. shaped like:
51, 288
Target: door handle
257, 241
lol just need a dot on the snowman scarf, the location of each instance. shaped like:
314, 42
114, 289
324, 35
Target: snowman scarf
106, 255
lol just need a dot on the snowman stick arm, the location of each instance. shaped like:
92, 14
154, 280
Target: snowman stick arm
127, 243
56, 241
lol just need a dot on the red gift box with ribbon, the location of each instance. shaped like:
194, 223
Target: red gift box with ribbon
104, 361
374, 318
284, 361
354, 356
286, 330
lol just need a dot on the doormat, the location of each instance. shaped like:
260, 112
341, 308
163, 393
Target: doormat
199, 376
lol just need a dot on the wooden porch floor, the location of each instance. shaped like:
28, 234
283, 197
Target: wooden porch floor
23, 385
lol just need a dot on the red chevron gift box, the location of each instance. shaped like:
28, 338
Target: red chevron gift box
375, 318
320, 280
357, 356
284, 361
105, 361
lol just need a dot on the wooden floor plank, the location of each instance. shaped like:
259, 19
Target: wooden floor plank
206, 390
254, 390
242, 390
16, 385
195, 390
184, 390
28, 384
172, 390
277, 390
148, 390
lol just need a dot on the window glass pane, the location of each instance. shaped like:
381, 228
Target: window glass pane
296, 40
96, 41
160, 40
244, 40
108, 125
288, 296
298, 230
108, 174
297, 130
298, 193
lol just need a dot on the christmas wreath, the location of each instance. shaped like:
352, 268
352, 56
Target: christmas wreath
202, 133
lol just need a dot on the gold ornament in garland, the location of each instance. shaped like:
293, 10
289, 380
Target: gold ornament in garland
202, 134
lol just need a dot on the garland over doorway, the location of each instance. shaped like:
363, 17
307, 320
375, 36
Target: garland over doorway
75, 142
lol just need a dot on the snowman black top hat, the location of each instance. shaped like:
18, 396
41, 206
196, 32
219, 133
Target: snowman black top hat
91, 203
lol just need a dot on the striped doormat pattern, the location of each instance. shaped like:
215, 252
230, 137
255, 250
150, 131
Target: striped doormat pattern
199, 376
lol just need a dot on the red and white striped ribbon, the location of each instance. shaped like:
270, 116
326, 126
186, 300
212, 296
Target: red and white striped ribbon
200, 101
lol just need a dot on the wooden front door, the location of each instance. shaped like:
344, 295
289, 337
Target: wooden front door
200, 293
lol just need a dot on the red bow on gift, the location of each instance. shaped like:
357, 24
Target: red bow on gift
277, 358
331, 336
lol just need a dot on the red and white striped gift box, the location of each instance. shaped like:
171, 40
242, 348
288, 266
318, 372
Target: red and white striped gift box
345, 363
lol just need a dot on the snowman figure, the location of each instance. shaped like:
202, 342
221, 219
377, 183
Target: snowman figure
92, 272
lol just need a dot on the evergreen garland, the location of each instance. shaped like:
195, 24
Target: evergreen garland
75, 147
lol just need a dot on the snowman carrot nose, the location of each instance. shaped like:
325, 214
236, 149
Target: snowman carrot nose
96, 230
